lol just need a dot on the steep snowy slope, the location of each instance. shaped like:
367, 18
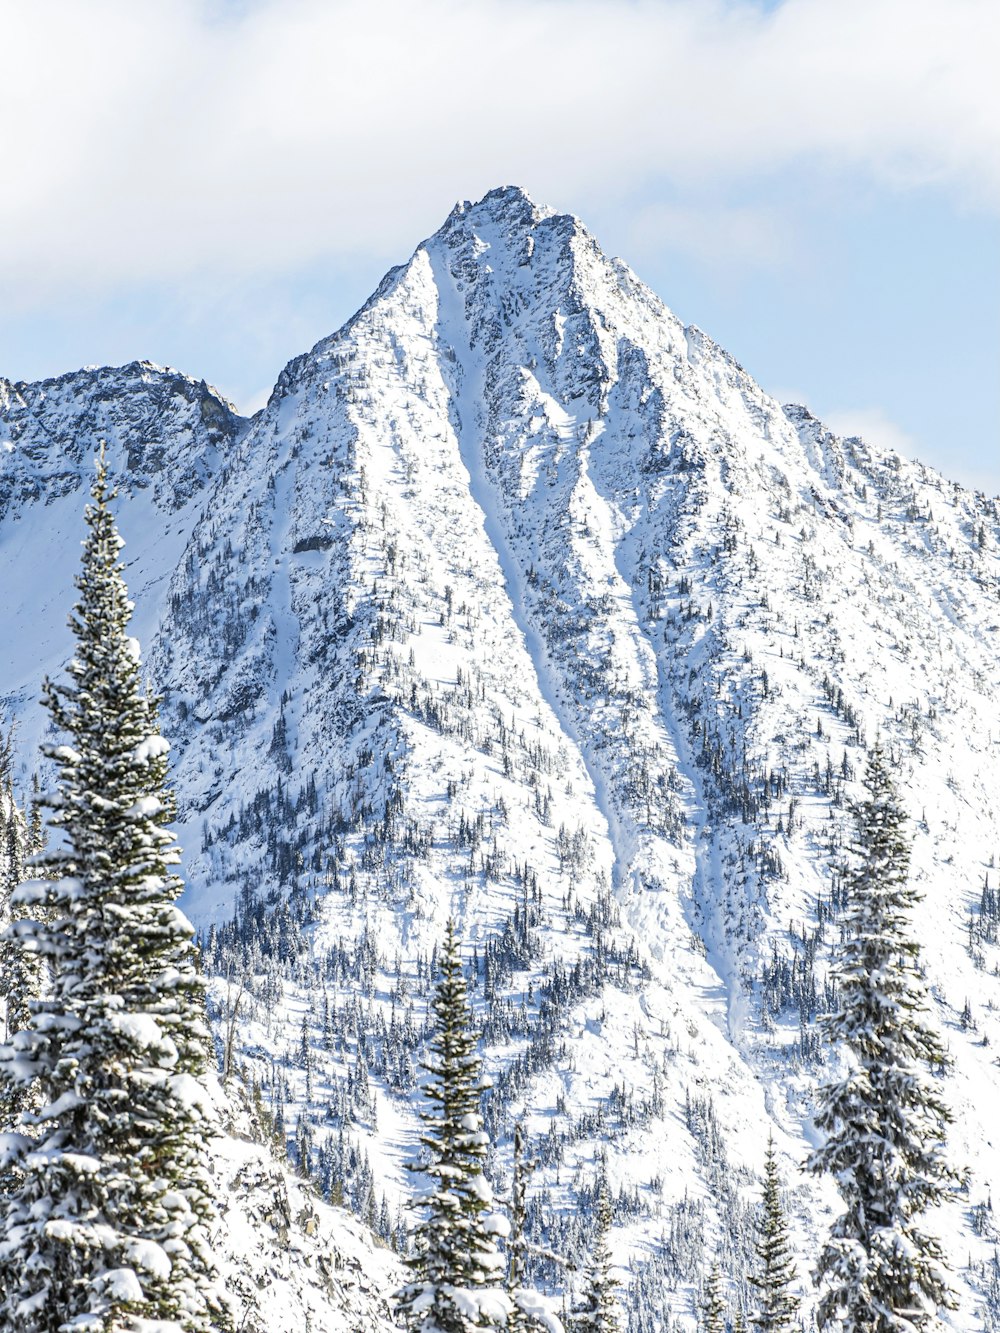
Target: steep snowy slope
165, 434
289, 1261
520, 601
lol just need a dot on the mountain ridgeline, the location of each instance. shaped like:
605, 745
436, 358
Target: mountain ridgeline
520, 602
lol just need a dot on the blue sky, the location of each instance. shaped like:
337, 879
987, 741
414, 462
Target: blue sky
816, 183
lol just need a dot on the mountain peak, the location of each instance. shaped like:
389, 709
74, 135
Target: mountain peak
510, 202
507, 213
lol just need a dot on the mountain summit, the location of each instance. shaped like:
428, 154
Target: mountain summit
521, 602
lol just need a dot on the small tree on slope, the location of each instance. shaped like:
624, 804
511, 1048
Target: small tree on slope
108, 1227
457, 1269
776, 1277
598, 1309
885, 1120
19, 971
713, 1310
530, 1313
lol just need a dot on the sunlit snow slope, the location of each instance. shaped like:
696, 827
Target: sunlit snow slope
521, 602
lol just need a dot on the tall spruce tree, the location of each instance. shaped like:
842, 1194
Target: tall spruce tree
457, 1268
530, 1312
885, 1121
20, 972
597, 1311
777, 1304
713, 1307
109, 1225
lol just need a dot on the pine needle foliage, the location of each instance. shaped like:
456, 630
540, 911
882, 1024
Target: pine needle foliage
20, 971
597, 1311
529, 1312
777, 1304
109, 1226
713, 1308
457, 1268
885, 1121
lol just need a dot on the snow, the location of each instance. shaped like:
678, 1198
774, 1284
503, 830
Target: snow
506, 495
142, 1030
150, 1257
121, 1284
145, 808
153, 747
69, 1101
537, 1308
288, 1259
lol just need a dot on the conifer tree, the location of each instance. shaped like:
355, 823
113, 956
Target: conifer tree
18, 970
529, 1312
109, 1224
713, 1309
885, 1121
598, 1309
20, 973
517, 1241
778, 1306
457, 1269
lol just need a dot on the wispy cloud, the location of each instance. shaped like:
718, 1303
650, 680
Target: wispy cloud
874, 425
148, 142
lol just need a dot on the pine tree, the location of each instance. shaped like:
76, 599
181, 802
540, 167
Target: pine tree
517, 1240
885, 1121
529, 1312
598, 1309
20, 973
109, 1224
713, 1309
774, 1281
457, 1269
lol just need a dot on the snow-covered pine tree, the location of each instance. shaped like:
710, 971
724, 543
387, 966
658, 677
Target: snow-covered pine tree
597, 1311
457, 1268
885, 1120
530, 1313
713, 1306
777, 1304
110, 1222
19, 970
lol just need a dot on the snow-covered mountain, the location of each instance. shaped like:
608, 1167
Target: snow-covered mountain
520, 601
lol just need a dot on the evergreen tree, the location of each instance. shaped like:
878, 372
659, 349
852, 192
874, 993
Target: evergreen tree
456, 1266
529, 1313
517, 1242
885, 1120
20, 973
598, 1309
713, 1309
108, 1226
774, 1281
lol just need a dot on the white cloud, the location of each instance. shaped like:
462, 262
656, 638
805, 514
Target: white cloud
148, 142
725, 235
873, 425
